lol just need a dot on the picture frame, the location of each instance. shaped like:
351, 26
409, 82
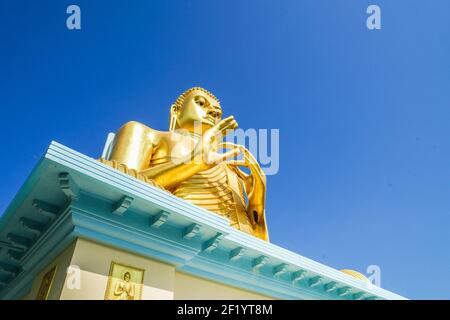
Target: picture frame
124, 282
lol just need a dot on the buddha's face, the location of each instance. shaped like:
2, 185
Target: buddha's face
198, 109
126, 277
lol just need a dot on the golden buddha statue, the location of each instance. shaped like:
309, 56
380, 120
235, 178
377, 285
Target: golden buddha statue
186, 161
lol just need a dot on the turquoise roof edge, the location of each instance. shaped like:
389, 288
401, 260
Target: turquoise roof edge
211, 249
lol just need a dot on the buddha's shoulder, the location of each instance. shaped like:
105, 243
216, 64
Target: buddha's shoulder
156, 136
136, 125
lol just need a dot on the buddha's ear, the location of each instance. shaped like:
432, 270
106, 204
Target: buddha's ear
174, 109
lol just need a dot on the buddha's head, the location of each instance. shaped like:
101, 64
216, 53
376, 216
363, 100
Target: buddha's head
195, 106
127, 276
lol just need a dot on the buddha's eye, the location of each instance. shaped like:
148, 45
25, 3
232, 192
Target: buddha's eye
200, 101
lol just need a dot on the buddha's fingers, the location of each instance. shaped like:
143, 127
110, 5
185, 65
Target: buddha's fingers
255, 165
235, 167
229, 154
253, 162
215, 129
222, 123
227, 129
249, 160
220, 129
228, 145
249, 156
237, 163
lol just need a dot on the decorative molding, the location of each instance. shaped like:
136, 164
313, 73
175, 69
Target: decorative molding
19, 241
14, 255
298, 275
158, 220
212, 243
32, 226
122, 205
280, 269
7, 245
68, 186
9, 269
236, 254
259, 262
191, 231
358, 296
314, 282
47, 209
344, 291
240, 276
331, 286
126, 184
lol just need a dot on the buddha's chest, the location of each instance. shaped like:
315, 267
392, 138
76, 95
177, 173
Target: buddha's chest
213, 190
212, 184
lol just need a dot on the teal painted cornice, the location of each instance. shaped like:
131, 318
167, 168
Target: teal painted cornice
70, 196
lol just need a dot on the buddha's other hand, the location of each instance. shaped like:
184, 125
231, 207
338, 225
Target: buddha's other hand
255, 183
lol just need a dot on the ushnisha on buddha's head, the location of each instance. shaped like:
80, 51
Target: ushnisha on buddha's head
195, 106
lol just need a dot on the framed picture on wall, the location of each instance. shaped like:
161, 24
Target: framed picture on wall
46, 284
124, 282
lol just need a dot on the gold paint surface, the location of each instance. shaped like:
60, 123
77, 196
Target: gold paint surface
124, 282
356, 274
186, 161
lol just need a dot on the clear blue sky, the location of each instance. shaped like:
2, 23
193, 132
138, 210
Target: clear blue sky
363, 115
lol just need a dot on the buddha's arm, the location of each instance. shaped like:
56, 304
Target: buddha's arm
134, 144
171, 173
133, 147
202, 157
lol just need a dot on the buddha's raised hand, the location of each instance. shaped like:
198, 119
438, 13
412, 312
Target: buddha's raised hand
205, 152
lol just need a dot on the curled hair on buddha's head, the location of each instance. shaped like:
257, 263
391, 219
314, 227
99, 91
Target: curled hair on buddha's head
180, 100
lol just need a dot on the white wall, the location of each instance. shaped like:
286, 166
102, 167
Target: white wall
188, 287
94, 261
161, 281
